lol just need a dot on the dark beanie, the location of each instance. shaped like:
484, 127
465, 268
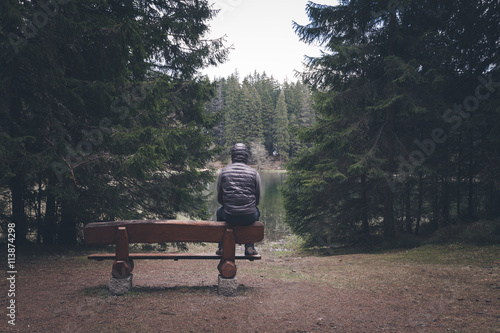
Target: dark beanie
239, 153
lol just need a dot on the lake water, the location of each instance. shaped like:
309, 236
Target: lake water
272, 213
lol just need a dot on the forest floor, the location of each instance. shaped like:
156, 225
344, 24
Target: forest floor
448, 288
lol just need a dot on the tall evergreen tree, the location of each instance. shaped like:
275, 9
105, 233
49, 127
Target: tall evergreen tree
233, 117
252, 108
389, 73
103, 110
282, 135
299, 112
268, 92
216, 107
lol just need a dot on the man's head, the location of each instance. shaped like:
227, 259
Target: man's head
239, 153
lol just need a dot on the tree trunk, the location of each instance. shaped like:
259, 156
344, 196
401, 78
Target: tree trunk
17, 182
459, 174
388, 210
419, 205
408, 218
444, 190
470, 200
435, 203
67, 230
16, 185
495, 201
39, 219
49, 228
364, 212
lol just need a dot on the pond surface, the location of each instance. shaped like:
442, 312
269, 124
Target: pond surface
272, 213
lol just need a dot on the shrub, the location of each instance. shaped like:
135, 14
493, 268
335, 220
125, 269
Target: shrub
478, 233
482, 233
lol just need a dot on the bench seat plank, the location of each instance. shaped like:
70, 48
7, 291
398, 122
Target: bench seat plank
158, 231
174, 256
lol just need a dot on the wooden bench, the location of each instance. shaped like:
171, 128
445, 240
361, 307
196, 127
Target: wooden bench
123, 233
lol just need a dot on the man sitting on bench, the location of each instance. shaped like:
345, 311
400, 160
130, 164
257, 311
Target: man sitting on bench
238, 191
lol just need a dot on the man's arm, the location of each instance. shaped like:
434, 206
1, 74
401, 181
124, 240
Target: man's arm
219, 189
257, 189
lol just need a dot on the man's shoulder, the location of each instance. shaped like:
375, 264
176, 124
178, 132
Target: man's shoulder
241, 167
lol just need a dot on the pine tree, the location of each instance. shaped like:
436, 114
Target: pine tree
268, 92
252, 107
299, 112
105, 118
216, 108
388, 76
282, 135
232, 113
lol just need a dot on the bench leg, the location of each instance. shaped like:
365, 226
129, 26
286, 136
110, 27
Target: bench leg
122, 267
227, 266
121, 280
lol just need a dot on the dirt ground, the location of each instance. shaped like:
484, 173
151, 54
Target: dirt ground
387, 292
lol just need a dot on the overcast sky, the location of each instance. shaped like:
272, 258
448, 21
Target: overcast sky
262, 36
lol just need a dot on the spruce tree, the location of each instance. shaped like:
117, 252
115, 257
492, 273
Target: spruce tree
385, 82
268, 92
232, 113
252, 107
104, 111
282, 135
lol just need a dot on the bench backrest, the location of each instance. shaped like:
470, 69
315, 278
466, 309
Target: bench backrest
158, 231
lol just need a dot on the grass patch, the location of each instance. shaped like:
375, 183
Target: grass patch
450, 254
289, 246
468, 237
482, 232
352, 270
101, 291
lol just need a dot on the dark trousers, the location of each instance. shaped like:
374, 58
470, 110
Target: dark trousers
237, 219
